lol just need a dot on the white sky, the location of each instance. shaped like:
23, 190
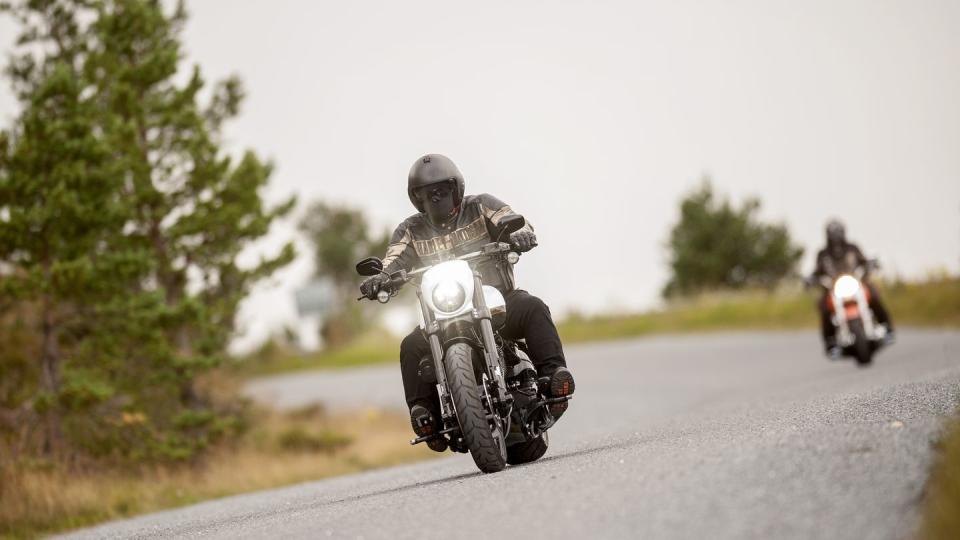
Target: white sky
593, 118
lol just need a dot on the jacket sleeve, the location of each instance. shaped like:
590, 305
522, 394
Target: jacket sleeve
494, 210
401, 254
825, 265
861, 260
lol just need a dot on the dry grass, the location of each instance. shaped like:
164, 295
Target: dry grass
941, 507
306, 445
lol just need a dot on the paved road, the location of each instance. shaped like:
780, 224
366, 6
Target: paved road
721, 436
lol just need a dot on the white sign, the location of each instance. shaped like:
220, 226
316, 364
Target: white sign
315, 298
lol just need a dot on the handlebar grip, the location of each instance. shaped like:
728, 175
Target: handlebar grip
516, 248
393, 284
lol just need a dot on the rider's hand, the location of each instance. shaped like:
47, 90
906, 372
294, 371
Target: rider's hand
371, 286
524, 240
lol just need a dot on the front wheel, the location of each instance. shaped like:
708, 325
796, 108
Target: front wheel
861, 345
484, 437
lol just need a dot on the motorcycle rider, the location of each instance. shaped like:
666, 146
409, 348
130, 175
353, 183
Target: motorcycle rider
840, 257
449, 224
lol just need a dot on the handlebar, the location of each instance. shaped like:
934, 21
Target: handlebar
860, 272
401, 277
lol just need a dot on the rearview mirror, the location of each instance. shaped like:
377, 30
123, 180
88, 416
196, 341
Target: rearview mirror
510, 224
370, 266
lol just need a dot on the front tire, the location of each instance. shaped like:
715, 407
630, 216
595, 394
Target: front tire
861, 345
486, 443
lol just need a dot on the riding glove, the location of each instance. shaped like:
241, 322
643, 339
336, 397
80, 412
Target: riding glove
524, 240
371, 286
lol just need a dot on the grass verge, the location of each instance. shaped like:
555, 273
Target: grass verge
281, 449
276, 360
931, 303
941, 506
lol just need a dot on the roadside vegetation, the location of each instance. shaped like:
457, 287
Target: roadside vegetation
277, 449
122, 225
934, 303
941, 505
276, 356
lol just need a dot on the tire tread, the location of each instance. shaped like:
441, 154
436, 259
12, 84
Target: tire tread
458, 362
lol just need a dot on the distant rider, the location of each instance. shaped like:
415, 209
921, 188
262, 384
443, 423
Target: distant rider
842, 257
447, 225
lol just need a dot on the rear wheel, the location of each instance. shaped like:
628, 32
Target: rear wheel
861, 345
528, 451
484, 438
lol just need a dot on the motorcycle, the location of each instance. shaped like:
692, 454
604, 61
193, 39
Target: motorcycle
848, 298
491, 403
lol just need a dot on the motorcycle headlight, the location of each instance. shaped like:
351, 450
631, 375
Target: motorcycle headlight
846, 287
449, 296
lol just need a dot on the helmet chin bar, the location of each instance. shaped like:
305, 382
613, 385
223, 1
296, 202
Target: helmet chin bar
446, 218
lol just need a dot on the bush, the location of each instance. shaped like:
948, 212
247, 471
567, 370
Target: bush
716, 246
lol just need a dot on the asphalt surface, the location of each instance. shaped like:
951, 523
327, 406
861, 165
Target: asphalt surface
720, 436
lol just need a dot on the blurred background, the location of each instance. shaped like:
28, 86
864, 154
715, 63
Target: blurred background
579, 113
597, 121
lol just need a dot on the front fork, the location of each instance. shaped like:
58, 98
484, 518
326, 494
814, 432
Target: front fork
492, 358
432, 329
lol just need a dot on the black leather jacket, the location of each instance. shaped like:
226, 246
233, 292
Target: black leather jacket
842, 260
417, 242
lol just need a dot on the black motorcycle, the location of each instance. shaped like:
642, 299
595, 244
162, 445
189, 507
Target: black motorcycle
490, 400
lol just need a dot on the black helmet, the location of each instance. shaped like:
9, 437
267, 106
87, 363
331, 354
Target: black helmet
430, 169
836, 234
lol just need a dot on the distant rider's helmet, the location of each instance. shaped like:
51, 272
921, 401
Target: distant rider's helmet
431, 169
836, 234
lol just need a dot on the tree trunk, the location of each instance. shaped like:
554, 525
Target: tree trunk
50, 362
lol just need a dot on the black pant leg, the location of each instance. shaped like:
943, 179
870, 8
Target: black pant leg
529, 318
879, 310
412, 349
827, 330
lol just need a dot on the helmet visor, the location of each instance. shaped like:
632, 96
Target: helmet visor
437, 191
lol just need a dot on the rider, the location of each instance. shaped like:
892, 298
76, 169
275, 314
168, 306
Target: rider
837, 258
449, 224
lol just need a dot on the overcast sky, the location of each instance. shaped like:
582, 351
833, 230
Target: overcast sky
594, 118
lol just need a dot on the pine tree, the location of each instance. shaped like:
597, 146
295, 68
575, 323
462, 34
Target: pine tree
58, 195
196, 209
121, 223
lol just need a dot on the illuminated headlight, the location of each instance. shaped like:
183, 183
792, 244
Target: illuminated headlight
448, 296
513, 257
846, 287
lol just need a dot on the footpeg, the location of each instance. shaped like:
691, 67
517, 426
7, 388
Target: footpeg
433, 437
